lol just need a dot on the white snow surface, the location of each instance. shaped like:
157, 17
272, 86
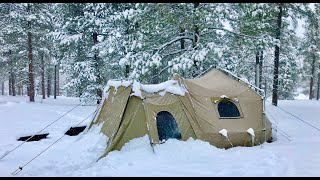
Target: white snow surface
77, 155
117, 84
224, 132
251, 132
301, 96
136, 86
223, 96
170, 86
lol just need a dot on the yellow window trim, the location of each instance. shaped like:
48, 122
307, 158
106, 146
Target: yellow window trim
233, 99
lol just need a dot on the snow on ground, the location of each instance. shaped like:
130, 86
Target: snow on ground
300, 94
77, 155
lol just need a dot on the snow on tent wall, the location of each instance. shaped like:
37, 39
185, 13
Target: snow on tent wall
224, 132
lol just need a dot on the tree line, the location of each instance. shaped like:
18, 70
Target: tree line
90, 43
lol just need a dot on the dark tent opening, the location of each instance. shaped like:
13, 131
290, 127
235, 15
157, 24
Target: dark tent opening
167, 126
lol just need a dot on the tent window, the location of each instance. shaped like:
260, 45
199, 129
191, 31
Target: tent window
228, 109
167, 126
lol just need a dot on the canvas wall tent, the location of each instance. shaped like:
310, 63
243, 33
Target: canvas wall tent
183, 108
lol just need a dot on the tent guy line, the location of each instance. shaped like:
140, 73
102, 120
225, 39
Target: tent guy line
8, 152
20, 168
299, 119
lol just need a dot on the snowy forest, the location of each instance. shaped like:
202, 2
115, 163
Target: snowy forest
73, 49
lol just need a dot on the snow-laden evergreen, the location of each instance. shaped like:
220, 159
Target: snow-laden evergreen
89, 44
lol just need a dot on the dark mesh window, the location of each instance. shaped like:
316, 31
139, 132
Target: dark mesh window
167, 126
228, 109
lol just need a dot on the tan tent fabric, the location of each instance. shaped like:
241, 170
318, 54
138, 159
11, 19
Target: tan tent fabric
102, 112
133, 125
126, 117
217, 82
115, 111
171, 104
189, 111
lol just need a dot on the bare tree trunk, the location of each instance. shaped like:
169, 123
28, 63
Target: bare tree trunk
127, 32
318, 85
55, 82
13, 84
19, 90
276, 60
48, 83
97, 67
12, 77
260, 69
257, 82
2, 88
260, 61
58, 80
31, 80
155, 79
127, 71
10, 73
43, 90
196, 64
182, 44
311, 92
10, 86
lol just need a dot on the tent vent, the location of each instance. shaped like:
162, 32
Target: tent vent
34, 138
74, 131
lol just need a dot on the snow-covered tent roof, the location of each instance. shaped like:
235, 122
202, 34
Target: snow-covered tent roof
215, 79
170, 86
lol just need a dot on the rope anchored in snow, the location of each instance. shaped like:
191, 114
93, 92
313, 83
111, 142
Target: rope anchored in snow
281, 132
8, 152
287, 137
299, 119
19, 169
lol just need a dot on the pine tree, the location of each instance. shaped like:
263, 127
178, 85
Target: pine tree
311, 48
